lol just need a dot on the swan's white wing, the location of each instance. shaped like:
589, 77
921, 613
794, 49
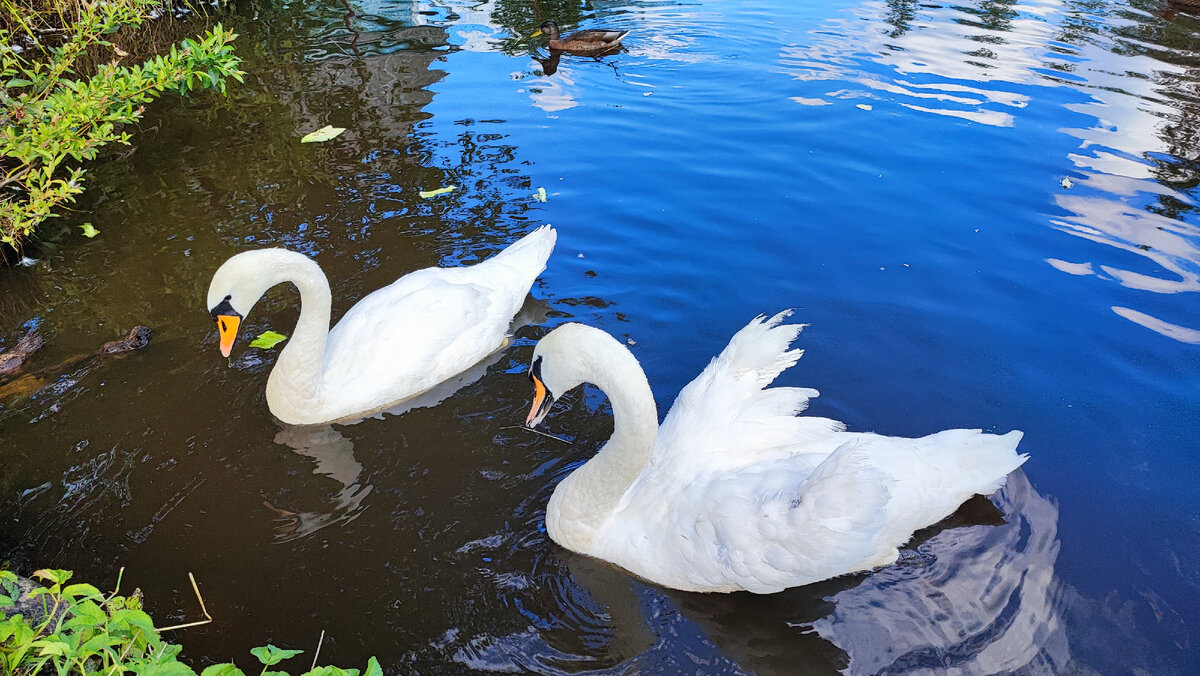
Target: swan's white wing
763, 529
427, 327
407, 337
726, 419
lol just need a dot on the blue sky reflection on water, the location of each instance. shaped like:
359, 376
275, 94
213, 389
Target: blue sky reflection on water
1021, 175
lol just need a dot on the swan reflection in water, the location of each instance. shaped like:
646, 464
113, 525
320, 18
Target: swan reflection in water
334, 452
976, 593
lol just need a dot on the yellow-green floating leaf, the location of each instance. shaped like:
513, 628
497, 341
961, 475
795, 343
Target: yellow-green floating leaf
268, 340
540, 195
89, 230
440, 191
323, 134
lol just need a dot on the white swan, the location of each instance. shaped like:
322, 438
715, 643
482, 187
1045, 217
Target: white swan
394, 344
735, 491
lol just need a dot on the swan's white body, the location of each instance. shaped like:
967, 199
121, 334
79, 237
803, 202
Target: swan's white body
395, 343
737, 492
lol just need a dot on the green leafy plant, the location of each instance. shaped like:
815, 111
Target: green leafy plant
77, 630
80, 630
269, 656
53, 116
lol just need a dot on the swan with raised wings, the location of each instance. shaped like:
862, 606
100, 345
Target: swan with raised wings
735, 491
394, 344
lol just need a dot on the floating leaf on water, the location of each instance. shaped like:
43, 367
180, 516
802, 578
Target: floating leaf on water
1067, 183
89, 230
540, 195
440, 191
268, 340
323, 134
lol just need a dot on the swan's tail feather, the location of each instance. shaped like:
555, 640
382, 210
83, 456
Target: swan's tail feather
531, 252
511, 272
982, 462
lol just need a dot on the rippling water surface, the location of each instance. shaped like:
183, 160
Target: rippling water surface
986, 212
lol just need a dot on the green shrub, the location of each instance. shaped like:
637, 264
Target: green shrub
53, 115
76, 629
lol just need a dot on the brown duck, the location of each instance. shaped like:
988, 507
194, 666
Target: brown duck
589, 42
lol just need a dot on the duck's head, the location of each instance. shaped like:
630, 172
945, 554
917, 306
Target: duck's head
567, 357
548, 28
236, 287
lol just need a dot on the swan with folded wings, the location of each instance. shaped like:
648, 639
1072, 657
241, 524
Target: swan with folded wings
394, 344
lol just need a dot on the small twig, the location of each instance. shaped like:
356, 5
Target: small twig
207, 618
530, 429
120, 574
124, 653
318, 653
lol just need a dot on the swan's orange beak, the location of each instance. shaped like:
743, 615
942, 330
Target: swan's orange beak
228, 320
227, 326
542, 401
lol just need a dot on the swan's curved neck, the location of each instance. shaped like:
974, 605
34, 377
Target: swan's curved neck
584, 500
297, 381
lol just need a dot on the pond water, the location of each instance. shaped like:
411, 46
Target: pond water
986, 211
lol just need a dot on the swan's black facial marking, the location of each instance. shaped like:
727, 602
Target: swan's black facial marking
224, 309
535, 369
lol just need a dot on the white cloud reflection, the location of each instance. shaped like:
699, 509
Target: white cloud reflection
968, 62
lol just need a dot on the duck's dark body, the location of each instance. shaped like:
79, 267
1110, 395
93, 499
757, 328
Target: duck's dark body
588, 42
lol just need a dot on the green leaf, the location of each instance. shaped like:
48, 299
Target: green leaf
86, 614
52, 575
49, 647
268, 340
373, 668
98, 643
127, 619
76, 590
227, 669
440, 191
18, 82
332, 671
270, 655
89, 230
172, 668
169, 668
323, 134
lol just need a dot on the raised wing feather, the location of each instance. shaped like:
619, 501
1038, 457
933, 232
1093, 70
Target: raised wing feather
724, 418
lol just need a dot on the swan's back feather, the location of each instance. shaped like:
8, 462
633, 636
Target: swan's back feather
430, 325
769, 527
